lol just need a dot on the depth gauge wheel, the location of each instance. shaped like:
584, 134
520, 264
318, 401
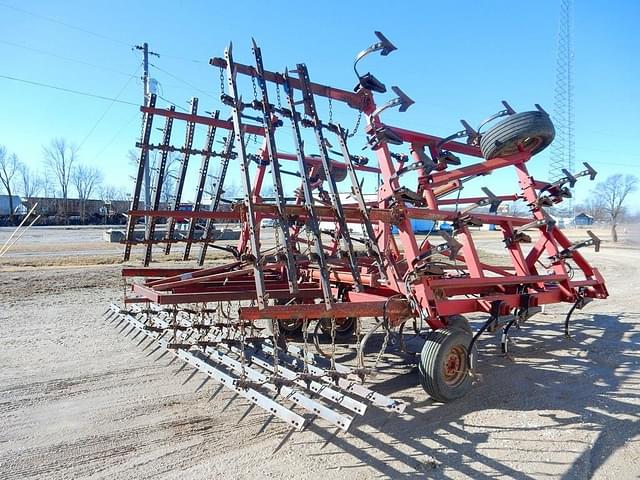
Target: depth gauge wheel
530, 131
291, 327
443, 367
344, 327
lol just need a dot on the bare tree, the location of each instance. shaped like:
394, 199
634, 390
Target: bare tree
613, 192
111, 192
31, 182
9, 166
594, 207
86, 179
60, 157
518, 209
170, 171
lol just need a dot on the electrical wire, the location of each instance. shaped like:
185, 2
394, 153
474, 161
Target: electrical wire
183, 81
62, 57
117, 134
68, 25
117, 97
68, 90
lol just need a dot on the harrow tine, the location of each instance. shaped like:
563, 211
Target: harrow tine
206, 379
161, 356
244, 415
182, 367
284, 440
265, 424
220, 386
193, 374
229, 402
154, 350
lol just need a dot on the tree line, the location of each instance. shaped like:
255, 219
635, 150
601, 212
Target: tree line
61, 176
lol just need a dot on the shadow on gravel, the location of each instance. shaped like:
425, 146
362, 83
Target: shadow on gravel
589, 378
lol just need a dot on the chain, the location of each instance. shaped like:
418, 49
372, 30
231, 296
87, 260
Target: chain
255, 90
333, 343
242, 347
276, 334
278, 95
305, 337
385, 342
330, 110
221, 81
356, 126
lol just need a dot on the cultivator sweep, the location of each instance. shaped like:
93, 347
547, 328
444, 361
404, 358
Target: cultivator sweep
338, 269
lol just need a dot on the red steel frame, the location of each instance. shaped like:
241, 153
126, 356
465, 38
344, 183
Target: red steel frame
432, 297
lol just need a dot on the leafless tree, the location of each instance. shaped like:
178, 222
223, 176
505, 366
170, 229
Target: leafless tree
594, 207
170, 171
30, 181
518, 209
111, 192
59, 158
9, 166
86, 179
613, 192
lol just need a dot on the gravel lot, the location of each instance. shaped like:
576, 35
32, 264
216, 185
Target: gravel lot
78, 400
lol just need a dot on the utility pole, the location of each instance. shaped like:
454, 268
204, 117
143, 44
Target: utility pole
145, 80
563, 147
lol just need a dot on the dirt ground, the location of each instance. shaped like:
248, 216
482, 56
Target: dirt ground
79, 400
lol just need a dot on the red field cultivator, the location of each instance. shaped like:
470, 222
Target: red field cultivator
341, 268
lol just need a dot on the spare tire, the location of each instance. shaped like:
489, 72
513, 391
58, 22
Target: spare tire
530, 131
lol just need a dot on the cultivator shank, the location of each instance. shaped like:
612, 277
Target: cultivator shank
340, 267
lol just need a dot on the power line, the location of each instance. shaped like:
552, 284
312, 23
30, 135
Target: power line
62, 57
68, 25
116, 135
68, 90
183, 81
117, 97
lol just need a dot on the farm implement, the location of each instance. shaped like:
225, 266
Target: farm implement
271, 319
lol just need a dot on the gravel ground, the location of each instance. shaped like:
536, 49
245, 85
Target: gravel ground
78, 400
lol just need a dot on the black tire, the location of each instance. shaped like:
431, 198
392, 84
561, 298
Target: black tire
458, 321
345, 327
443, 368
532, 131
290, 328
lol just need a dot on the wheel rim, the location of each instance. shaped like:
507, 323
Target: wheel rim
290, 325
528, 144
455, 366
343, 325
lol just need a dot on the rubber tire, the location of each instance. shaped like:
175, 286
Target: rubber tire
295, 331
503, 138
458, 321
432, 358
342, 333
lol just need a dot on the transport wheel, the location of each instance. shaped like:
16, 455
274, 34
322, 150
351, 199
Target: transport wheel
532, 131
291, 327
344, 327
443, 367
458, 321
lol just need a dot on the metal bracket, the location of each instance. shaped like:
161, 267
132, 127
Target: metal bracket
402, 100
368, 81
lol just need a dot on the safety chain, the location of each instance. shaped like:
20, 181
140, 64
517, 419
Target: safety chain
385, 342
222, 89
333, 344
356, 126
278, 95
276, 333
305, 337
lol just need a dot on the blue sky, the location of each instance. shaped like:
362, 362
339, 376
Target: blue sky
455, 59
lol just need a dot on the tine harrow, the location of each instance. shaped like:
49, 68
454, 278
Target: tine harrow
340, 267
